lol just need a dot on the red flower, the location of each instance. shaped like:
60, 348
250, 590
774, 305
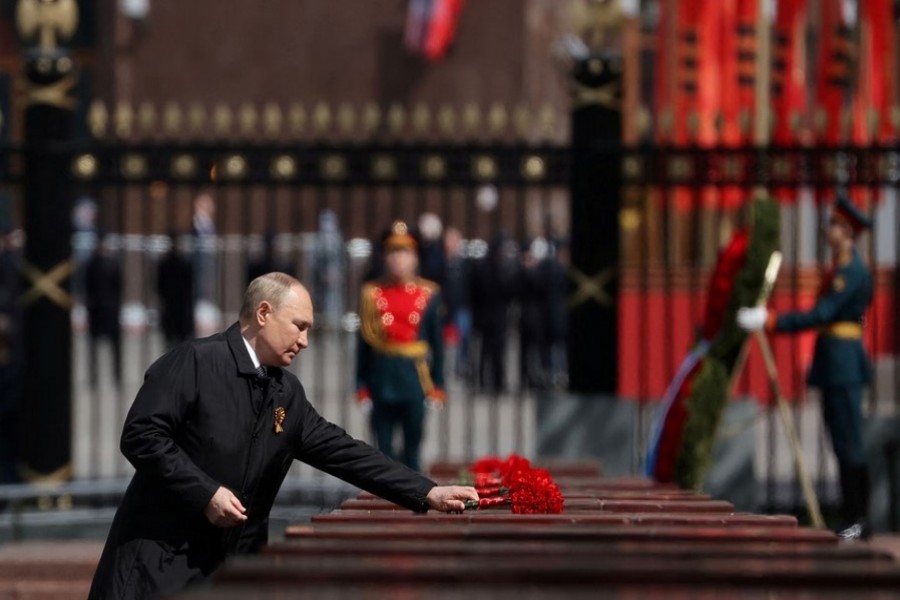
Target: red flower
535, 492
488, 464
483, 480
494, 490
488, 502
526, 489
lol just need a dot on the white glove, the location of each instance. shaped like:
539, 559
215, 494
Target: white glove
434, 404
752, 318
365, 406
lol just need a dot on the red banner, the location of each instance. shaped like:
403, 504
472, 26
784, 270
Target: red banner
789, 86
875, 90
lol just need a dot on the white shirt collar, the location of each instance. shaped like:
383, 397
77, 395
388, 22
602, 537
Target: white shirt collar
252, 353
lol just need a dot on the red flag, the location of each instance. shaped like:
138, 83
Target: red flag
418, 13
431, 26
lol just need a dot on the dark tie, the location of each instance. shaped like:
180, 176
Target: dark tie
261, 371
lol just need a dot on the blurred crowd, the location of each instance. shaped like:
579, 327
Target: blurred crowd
504, 319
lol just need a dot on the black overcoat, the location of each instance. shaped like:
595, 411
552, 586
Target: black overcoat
193, 427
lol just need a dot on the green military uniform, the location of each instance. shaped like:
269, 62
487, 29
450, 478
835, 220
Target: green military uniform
400, 360
840, 367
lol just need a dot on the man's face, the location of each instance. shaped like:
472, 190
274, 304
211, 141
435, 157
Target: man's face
283, 330
839, 231
401, 263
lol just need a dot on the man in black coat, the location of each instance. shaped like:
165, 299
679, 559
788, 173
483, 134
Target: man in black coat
175, 286
103, 289
212, 434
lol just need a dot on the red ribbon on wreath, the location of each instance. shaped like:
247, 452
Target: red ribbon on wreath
665, 444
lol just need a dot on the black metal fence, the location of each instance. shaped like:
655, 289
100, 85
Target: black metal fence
312, 207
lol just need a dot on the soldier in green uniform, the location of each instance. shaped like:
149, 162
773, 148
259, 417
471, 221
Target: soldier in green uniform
400, 347
840, 367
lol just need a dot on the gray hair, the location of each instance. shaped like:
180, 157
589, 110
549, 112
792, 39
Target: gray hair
271, 287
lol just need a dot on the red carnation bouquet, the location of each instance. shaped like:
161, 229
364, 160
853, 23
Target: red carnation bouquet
516, 483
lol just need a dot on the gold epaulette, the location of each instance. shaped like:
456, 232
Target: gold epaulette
432, 286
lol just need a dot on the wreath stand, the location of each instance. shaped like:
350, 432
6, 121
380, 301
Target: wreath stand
787, 419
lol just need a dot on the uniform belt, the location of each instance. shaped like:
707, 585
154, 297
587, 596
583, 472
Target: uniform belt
846, 330
417, 351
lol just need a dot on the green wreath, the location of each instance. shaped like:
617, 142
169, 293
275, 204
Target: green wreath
710, 390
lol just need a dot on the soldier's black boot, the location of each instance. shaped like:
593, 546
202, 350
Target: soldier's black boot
855, 490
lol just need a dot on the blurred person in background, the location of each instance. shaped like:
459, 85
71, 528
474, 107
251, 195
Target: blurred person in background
557, 266
492, 288
431, 252
533, 292
103, 300
329, 269
84, 240
175, 287
203, 228
455, 292
840, 366
400, 347
268, 260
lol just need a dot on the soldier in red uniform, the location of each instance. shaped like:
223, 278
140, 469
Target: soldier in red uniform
400, 349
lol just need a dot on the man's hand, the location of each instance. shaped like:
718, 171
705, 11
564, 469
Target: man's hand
436, 399
364, 401
450, 498
752, 319
224, 509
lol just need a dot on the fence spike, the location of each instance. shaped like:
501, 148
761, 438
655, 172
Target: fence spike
498, 118
124, 119
222, 118
446, 119
421, 118
471, 118
872, 120
98, 118
522, 121
146, 116
172, 118
272, 119
718, 122
321, 117
248, 119
297, 118
396, 118
745, 121
197, 117
547, 120
346, 118
371, 118
692, 120
820, 120
666, 121
795, 122
846, 121
643, 121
